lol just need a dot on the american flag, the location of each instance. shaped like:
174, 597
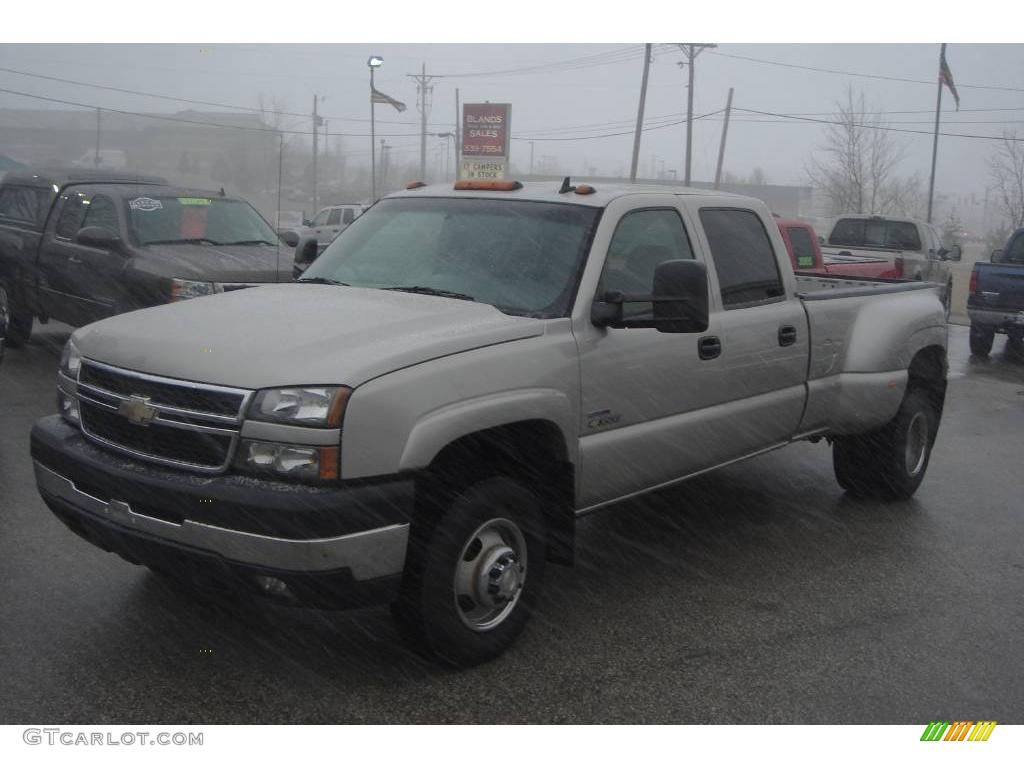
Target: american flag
382, 98
946, 77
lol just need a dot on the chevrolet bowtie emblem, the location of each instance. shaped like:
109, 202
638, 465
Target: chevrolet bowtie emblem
137, 410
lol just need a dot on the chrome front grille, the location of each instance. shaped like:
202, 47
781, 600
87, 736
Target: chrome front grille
166, 421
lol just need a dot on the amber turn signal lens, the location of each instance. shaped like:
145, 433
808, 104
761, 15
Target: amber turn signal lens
493, 186
337, 410
329, 469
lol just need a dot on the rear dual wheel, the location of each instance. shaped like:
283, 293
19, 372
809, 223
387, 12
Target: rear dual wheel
890, 462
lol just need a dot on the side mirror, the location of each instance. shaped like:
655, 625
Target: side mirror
997, 254
955, 253
290, 238
98, 237
679, 299
821, 240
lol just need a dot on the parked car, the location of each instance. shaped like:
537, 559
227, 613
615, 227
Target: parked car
805, 254
326, 225
81, 246
459, 377
995, 302
912, 248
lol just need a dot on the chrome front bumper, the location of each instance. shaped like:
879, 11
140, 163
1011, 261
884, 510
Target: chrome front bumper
370, 554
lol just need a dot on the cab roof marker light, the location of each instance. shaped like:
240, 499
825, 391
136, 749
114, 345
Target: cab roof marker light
585, 189
415, 184
493, 186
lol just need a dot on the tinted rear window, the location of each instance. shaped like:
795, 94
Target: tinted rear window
26, 205
876, 233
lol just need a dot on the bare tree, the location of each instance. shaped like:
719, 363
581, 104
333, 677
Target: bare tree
857, 168
1006, 168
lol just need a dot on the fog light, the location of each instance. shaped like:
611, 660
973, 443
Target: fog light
273, 587
298, 461
68, 406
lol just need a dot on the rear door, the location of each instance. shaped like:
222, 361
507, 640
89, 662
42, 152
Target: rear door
762, 330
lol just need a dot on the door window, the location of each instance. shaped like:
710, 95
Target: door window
348, 216
803, 247
26, 205
642, 241
101, 212
321, 219
748, 272
71, 214
334, 217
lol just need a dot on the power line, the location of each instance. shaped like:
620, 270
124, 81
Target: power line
169, 118
860, 74
878, 127
191, 101
581, 62
608, 135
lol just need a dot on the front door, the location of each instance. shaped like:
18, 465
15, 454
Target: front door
643, 391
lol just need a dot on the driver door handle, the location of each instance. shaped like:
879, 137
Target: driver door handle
74, 260
709, 347
787, 335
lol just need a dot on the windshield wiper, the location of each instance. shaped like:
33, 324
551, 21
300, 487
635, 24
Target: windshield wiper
426, 290
189, 240
321, 281
250, 242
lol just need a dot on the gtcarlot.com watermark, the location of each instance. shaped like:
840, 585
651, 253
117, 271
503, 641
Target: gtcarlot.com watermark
71, 738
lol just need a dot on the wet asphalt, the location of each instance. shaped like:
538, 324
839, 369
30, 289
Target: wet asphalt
758, 593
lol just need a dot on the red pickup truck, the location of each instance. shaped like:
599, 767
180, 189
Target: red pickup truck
802, 244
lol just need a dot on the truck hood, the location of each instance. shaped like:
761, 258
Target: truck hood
216, 263
279, 335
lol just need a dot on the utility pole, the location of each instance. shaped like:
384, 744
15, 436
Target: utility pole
721, 147
531, 158
316, 132
935, 140
424, 89
96, 159
640, 112
458, 135
692, 50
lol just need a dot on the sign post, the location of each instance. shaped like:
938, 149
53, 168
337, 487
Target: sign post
485, 141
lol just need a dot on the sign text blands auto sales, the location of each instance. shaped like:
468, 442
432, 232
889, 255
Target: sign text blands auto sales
485, 130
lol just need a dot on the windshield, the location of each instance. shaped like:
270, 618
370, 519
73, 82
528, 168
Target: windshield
522, 257
197, 219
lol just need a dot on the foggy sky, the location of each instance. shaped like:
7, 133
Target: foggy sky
590, 97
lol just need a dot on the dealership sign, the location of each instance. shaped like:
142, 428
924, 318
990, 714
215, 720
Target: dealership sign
485, 139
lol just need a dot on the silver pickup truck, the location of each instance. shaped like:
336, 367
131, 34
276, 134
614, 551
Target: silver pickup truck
421, 419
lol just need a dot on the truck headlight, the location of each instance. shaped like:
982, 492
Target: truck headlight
303, 406
67, 383
70, 360
299, 462
190, 289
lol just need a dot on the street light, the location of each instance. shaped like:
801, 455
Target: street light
373, 62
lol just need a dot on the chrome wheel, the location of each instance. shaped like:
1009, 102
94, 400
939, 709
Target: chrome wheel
917, 443
490, 574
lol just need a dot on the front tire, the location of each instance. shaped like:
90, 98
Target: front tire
471, 584
18, 324
890, 462
982, 337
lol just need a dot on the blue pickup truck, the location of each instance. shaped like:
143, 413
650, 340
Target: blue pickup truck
996, 300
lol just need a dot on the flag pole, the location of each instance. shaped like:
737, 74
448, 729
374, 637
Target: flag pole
935, 140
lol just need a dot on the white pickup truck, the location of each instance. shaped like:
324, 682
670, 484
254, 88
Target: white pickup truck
902, 248
422, 418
